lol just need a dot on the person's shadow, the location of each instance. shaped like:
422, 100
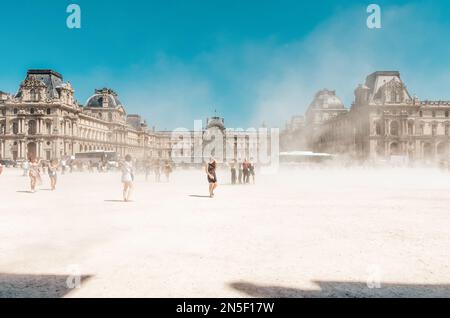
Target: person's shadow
199, 196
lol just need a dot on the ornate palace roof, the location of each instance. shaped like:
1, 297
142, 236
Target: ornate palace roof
104, 98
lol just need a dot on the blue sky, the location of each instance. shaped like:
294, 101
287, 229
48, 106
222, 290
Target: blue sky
174, 61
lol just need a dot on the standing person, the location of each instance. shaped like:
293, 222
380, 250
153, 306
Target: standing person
1, 168
34, 174
127, 178
233, 172
211, 174
167, 170
63, 165
157, 170
52, 173
90, 166
245, 170
240, 167
25, 167
252, 170
147, 168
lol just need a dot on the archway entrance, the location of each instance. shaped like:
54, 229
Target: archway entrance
395, 151
441, 150
31, 150
427, 151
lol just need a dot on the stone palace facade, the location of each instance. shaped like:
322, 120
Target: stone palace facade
44, 120
384, 121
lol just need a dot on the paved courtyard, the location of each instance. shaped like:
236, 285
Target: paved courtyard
302, 233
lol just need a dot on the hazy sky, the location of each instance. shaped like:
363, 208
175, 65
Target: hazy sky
174, 61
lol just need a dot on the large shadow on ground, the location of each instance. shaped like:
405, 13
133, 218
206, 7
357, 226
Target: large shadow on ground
35, 286
331, 289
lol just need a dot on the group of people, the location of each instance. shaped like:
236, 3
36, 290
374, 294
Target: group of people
242, 172
157, 167
33, 170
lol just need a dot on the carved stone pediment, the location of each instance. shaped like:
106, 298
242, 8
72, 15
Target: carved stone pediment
392, 92
32, 82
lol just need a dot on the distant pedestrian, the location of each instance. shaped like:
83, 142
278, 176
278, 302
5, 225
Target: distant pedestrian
63, 166
246, 170
252, 170
1, 168
211, 174
157, 171
167, 170
53, 173
26, 167
233, 172
34, 174
127, 177
241, 172
147, 169
90, 166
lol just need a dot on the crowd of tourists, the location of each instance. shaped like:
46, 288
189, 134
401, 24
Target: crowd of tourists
242, 172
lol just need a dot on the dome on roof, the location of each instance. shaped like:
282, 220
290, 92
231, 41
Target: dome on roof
104, 98
215, 122
326, 99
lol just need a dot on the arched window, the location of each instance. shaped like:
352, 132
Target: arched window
31, 127
15, 128
410, 128
48, 127
394, 128
378, 128
434, 129
33, 95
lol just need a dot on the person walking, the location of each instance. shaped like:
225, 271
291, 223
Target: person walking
127, 177
34, 174
53, 173
211, 176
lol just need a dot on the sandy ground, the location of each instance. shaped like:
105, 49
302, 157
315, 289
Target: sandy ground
304, 233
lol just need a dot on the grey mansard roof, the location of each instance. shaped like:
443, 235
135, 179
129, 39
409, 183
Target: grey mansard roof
51, 79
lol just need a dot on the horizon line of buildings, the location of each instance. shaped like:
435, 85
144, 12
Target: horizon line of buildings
383, 122
43, 120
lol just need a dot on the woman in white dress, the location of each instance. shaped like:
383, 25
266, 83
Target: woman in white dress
127, 178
